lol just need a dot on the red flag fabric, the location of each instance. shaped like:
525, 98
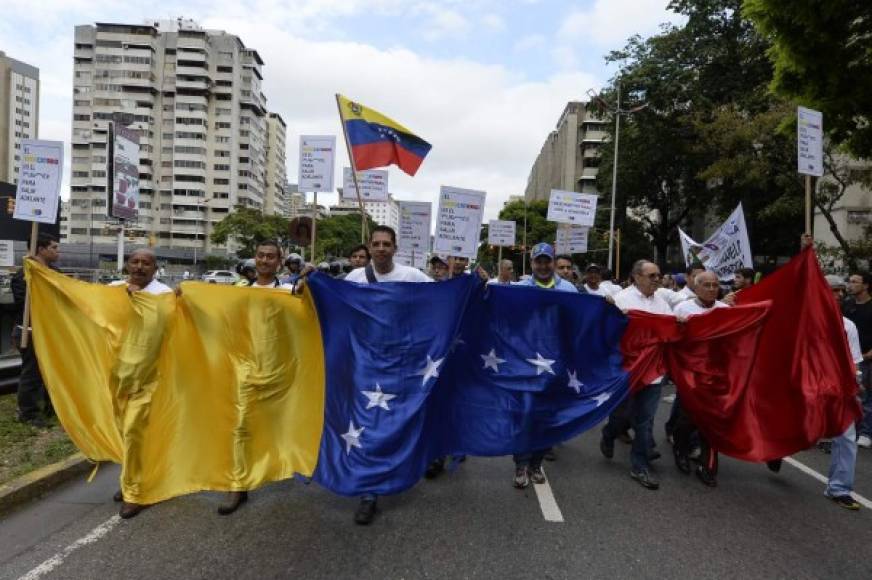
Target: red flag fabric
644, 346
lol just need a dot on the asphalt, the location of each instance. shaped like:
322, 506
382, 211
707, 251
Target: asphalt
466, 524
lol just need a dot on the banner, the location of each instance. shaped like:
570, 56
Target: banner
373, 185
414, 230
571, 239
725, 251
414, 259
125, 173
39, 181
809, 141
458, 223
501, 233
7, 254
316, 163
569, 207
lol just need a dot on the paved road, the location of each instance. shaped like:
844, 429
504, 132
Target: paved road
468, 524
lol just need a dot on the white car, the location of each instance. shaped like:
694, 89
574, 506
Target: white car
220, 277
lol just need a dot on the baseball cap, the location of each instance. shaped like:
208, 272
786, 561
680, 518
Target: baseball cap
542, 249
835, 281
593, 268
437, 258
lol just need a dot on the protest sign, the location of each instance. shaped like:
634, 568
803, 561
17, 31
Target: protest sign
39, 181
571, 239
501, 233
7, 254
809, 142
458, 222
414, 230
316, 162
373, 185
569, 207
723, 252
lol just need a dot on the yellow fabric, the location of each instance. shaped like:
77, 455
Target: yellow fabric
349, 110
220, 389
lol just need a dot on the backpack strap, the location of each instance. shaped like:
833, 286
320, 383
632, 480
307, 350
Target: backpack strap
370, 274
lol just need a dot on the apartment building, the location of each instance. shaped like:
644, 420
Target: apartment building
195, 98
19, 112
569, 158
384, 213
275, 202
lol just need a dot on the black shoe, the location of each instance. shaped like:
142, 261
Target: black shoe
435, 468
549, 456
845, 501
522, 478
707, 477
130, 510
365, 511
774, 465
625, 437
537, 475
118, 497
645, 479
826, 446
682, 462
237, 498
607, 447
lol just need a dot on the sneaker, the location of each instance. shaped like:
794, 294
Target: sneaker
845, 501
682, 463
607, 447
864, 441
522, 478
365, 511
774, 465
707, 477
550, 455
537, 475
645, 479
695, 453
825, 446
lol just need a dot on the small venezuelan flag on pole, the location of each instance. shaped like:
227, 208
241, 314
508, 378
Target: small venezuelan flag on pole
374, 140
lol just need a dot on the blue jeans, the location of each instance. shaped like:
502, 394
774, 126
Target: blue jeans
842, 462
865, 427
643, 407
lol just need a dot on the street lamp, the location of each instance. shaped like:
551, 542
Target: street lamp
617, 112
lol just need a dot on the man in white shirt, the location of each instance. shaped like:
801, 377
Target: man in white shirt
686, 293
506, 274
643, 404
382, 247
593, 281
607, 285
141, 270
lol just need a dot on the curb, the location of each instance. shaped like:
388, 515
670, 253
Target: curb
40, 481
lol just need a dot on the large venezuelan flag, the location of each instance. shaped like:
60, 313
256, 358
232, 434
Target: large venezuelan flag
377, 141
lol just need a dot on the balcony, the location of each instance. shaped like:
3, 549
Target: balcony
594, 136
192, 84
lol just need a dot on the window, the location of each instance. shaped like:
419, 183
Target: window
221, 167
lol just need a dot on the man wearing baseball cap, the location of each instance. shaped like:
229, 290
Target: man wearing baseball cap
542, 257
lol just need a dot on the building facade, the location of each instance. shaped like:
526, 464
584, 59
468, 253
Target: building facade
569, 159
384, 213
275, 202
852, 213
195, 98
19, 112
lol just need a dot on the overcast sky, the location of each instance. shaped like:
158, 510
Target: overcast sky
484, 81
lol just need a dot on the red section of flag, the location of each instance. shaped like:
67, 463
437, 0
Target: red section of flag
384, 153
764, 380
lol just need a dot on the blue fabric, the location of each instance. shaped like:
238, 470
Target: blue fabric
361, 132
843, 459
382, 334
560, 284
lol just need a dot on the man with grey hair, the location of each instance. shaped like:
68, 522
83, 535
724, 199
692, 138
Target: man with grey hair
506, 273
141, 270
642, 406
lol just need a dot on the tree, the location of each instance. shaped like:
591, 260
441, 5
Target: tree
248, 227
822, 55
336, 235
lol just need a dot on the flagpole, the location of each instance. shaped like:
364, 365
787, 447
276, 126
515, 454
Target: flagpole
364, 228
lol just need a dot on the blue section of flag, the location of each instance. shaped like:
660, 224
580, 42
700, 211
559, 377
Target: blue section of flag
419, 371
362, 132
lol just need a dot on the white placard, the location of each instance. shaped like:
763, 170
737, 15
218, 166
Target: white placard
316, 163
7, 254
414, 231
373, 185
725, 251
125, 173
569, 207
39, 181
501, 233
571, 239
406, 259
458, 222
810, 141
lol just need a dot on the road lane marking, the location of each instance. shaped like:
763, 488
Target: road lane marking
56, 560
823, 479
550, 510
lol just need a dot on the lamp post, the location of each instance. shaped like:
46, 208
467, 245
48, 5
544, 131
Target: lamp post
617, 112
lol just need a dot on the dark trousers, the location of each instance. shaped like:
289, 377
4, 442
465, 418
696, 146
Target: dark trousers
33, 398
642, 407
533, 459
685, 432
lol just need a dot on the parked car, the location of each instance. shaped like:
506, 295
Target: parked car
220, 277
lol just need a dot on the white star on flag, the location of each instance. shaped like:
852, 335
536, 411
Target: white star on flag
352, 438
492, 361
542, 364
377, 398
602, 398
574, 383
431, 370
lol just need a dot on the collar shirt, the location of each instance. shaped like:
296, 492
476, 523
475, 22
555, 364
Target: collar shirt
399, 273
275, 284
693, 307
560, 284
631, 298
600, 290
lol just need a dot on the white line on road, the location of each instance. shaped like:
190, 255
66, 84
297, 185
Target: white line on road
58, 558
809, 471
547, 502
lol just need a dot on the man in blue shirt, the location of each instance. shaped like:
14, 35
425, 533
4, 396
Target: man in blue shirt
528, 466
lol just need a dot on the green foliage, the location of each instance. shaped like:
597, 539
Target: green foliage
218, 262
822, 55
336, 235
248, 227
